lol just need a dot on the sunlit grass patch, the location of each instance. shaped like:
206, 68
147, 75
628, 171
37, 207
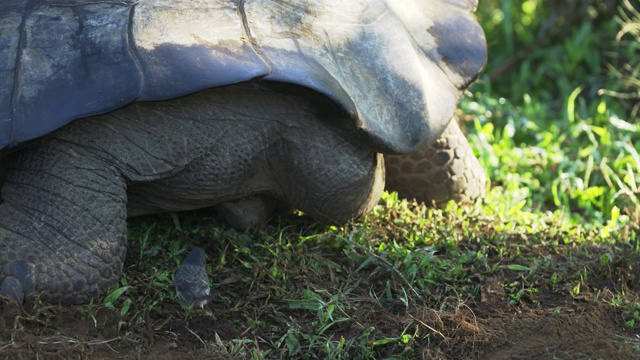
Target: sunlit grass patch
407, 280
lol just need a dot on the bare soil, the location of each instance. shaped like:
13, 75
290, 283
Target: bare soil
547, 324
491, 329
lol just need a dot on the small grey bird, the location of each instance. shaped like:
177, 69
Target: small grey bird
191, 280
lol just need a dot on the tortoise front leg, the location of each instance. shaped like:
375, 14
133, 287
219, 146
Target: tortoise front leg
445, 170
62, 224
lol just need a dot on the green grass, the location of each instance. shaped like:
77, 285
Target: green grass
542, 131
555, 129
399, 283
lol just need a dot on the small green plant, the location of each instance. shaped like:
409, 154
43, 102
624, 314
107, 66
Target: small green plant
631, 315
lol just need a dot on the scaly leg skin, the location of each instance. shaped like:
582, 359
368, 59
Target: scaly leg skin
62, 225
63, 222
446, 170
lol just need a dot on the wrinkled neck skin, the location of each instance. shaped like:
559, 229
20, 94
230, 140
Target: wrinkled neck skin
67, 197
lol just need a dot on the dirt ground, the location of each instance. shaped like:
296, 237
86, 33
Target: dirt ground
492, 329
549, 324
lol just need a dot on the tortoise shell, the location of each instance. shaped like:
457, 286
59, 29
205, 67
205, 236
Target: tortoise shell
398, 67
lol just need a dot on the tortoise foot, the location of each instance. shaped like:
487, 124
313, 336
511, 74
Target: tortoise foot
247, 212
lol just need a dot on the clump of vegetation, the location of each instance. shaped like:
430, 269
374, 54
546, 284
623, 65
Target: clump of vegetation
627, 67
542, 126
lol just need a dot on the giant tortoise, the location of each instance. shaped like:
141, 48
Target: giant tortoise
112, 109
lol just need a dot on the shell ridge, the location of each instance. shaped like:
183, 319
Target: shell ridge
252, 41
17, 68
134, 54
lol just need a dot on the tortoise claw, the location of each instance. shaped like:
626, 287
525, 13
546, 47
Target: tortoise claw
11, 290
15, 285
